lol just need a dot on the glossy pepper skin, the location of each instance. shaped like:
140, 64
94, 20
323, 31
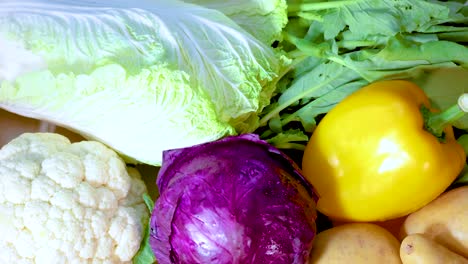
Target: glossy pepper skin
371, 159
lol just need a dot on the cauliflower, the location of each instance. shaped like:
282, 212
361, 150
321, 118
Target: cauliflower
68, 203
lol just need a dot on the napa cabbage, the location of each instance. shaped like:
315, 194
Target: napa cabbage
264, 19
139, 76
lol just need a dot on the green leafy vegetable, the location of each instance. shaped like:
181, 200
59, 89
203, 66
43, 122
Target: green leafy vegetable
140, 77
444, 86
368, 18
289, 139
338, 47
315, 83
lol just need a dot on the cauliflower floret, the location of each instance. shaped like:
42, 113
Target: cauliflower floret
68, 203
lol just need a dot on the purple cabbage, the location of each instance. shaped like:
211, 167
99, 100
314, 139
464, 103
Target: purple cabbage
235, 200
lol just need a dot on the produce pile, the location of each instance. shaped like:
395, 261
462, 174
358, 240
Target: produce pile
279, 131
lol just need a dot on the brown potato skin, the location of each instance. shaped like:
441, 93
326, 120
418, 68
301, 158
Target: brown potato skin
444, 220
392, 225
420, 249
355, 243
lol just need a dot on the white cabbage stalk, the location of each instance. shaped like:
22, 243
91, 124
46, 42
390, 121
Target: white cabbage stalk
139, 76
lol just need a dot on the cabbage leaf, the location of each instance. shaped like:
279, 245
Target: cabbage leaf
140, 76
264, 19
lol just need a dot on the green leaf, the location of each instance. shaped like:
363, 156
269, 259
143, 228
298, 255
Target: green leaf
374, 17
403, 55
443, 86
317, 82
145, 254
400, 50
325, 103
148, 202
289, 139
351, 43
312, 84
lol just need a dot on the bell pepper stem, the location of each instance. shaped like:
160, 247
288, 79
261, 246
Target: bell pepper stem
437, 122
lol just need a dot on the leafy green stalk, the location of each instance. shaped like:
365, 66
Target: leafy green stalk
287, 102
289, 140
319, 5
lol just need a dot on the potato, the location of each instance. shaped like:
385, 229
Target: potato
391, 225
445, 220
420, 249
355, 243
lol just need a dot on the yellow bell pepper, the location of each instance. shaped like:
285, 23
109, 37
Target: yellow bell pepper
375, 156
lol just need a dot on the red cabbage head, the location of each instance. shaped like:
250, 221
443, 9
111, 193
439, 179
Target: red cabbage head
236, 200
